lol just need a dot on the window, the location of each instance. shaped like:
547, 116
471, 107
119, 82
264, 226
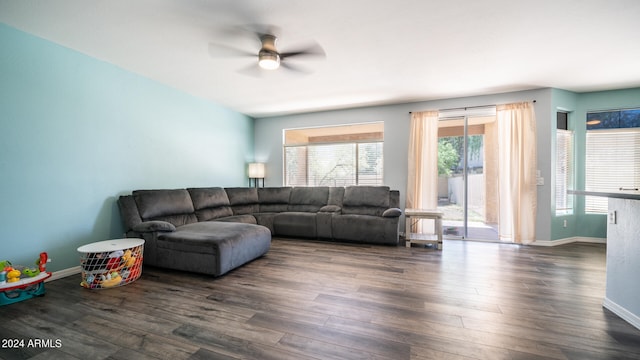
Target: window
612, 155
334, 156
564, 165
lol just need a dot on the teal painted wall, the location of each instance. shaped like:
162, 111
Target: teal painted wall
592, 225
565, 101
580, 224
76, 132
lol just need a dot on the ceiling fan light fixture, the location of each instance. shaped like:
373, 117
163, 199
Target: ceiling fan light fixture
268, 60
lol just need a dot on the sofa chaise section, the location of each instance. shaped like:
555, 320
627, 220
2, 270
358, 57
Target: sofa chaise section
176, 239
212, 248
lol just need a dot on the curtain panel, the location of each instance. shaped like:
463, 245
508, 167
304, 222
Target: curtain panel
422, 179
517, 172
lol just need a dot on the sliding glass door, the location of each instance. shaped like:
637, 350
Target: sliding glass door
467, 173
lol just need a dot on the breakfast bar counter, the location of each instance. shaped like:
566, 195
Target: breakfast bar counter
623, 254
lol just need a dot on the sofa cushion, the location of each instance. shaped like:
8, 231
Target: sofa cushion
212, 247
243, 218
128, 212
308, 199
392, 212
297, 224
243, 200
336, 195
365, 200
210, 203
274, 199
330, 209
172, 206
394, 198
365, 229
154, 225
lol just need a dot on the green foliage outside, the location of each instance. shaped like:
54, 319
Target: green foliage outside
451, 148
448, 157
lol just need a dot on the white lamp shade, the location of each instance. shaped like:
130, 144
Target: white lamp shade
256, 170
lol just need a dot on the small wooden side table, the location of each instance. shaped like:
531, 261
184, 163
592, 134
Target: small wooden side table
414, 214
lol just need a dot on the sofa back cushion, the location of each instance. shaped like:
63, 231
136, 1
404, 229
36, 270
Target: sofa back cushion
243, 200
274, 199
210, 203
365, 200
308, 199
394, 198
336, 194
128, 212
173, 206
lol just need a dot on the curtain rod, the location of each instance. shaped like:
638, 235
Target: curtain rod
469, 107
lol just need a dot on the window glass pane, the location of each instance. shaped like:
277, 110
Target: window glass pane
564, 171
334, 156
332, 165
370, 164
295, 165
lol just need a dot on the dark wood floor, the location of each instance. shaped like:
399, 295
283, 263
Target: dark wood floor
315, 300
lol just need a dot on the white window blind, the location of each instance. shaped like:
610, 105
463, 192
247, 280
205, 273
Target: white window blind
334, 164
564, 171
369, 163
612, 161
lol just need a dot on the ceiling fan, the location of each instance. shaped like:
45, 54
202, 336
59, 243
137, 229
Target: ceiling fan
268, 57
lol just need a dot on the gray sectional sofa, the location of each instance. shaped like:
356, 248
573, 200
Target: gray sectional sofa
214, 230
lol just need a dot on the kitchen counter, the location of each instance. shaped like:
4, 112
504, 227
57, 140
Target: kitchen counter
634, 195
622, 294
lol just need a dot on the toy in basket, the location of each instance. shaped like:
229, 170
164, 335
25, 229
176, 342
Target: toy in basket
111, 263
19, 283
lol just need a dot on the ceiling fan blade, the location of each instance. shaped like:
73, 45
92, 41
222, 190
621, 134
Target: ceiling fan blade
252, 70
220, 50
296, 68
313, 49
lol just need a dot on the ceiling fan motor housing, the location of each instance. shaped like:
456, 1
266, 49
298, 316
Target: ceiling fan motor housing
268, 57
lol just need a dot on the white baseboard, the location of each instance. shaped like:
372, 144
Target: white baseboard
592, 240
64, 273
625, 314
569, 241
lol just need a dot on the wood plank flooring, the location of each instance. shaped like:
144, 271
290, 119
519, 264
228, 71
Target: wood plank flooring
317, 300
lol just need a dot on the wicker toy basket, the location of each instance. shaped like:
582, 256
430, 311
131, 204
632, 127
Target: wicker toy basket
111, 263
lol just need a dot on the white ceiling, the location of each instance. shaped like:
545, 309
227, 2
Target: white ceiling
377, 51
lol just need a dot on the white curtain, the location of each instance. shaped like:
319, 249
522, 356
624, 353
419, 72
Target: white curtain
517, 172
422, 183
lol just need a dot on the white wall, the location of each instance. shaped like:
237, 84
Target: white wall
623, 261
396, 118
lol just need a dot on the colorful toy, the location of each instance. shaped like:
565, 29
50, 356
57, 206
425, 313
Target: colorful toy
13, 275
31, 272
13, 288
128, 259
111, 280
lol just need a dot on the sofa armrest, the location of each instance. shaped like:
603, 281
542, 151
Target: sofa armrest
155, 225
392, 212
330, 209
